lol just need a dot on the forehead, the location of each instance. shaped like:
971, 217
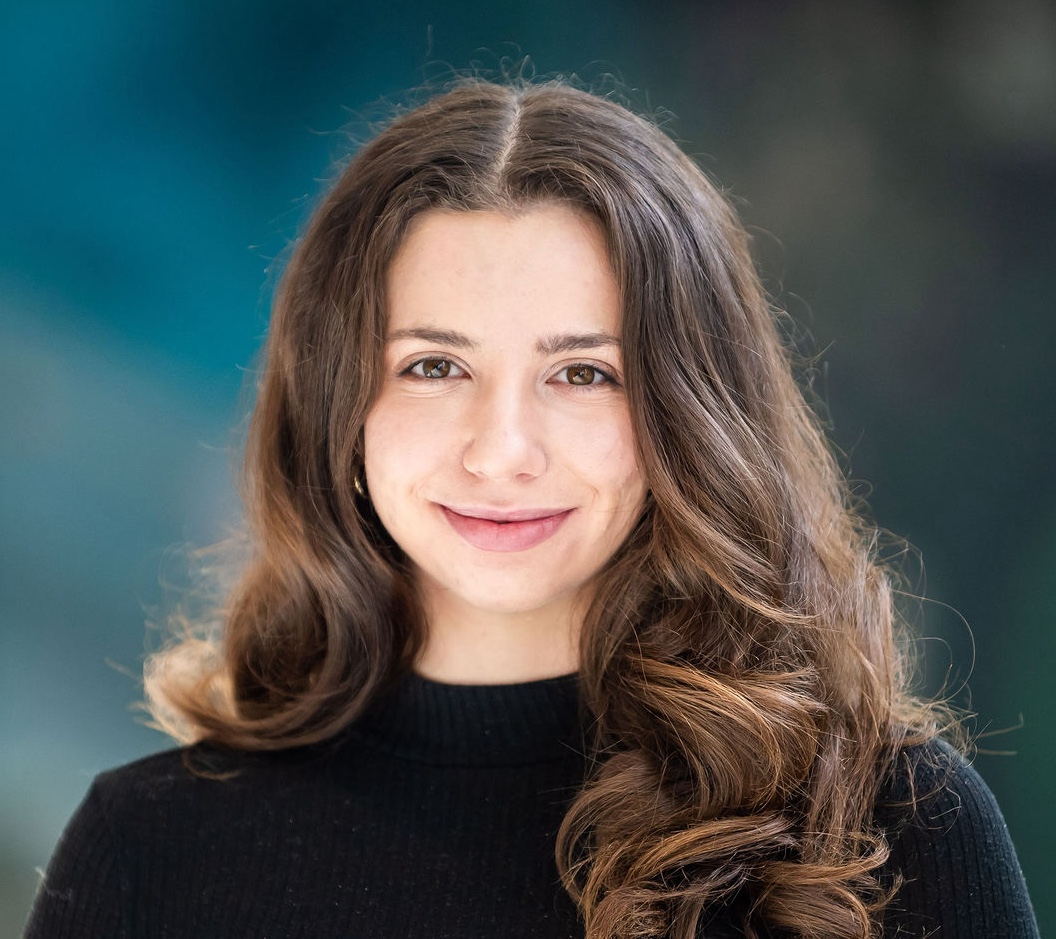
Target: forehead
547, 266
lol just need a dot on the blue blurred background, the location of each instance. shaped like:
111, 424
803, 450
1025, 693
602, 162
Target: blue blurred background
896, 162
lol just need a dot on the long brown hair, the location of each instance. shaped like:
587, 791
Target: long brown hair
739, 659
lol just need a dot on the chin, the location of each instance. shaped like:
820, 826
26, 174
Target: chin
508, 593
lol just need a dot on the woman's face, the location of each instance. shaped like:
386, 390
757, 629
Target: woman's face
499, 452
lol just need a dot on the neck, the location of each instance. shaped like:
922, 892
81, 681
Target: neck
469, 646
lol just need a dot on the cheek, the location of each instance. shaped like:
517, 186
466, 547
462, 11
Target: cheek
602, 453
404, 444
385, 438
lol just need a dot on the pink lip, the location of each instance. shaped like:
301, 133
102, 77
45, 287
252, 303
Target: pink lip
495, 530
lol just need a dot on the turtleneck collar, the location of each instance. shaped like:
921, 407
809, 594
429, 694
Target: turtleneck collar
475, 725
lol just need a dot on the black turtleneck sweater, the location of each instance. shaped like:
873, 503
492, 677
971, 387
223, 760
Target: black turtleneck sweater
434, 815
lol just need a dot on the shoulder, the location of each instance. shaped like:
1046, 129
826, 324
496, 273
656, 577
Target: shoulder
164, 770
933, 787
85, 890
162, 776
153, 833
200, 781
132, 806
952, 863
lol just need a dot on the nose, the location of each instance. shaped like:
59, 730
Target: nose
505, 440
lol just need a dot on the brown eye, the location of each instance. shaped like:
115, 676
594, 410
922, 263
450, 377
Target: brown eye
434, 368
581, 374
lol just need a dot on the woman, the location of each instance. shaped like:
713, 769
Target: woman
557, 622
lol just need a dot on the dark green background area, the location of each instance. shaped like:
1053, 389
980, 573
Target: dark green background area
896, 164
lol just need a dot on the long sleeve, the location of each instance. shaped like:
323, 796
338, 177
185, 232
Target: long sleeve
82, 894
960, 875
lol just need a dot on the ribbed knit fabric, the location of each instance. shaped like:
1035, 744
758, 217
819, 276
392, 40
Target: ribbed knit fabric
961, 877
435, 815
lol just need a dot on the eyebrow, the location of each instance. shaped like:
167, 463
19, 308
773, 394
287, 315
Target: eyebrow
442, 337
548, 345
575, 342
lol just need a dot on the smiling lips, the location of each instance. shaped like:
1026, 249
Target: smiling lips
505, 531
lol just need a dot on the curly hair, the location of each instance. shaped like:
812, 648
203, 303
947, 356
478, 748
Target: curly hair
739, 660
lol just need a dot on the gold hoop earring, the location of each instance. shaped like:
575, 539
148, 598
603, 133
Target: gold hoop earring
359, 486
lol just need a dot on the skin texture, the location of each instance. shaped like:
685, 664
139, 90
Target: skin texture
499, 452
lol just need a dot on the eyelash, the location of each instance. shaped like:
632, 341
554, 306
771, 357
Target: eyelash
606, 377
416, 369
